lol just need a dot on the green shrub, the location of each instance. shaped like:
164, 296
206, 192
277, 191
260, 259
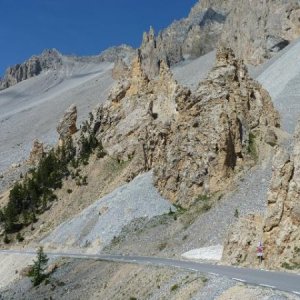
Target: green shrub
6, 240
236, 213
174, 287
19, 237
37, 189
162, 246
290, 266
252, 146
202, 198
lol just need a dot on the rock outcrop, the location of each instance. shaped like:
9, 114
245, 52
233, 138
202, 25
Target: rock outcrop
53, 60
120, 69
187, 38
209, 142
194, 142
255, 30
37, 153
67, 124
113, 54
279, 229
49, 59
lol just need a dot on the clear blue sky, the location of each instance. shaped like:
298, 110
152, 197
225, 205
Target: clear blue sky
81, 27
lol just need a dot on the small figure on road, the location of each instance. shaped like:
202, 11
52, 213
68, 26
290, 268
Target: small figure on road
260, 251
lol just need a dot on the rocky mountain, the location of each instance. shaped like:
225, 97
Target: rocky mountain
184, 39
255, 30
204, 144
51, 59
162, 125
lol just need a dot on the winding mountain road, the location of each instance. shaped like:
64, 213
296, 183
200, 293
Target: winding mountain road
282, 281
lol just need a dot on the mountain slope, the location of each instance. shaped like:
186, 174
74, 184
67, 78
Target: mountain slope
32, 108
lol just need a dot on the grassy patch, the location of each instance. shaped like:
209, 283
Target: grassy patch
288, 266
174, 287
204, 279
252, 146
202, 198
162, 246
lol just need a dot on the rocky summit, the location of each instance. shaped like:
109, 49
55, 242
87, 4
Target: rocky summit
49, 59
254, 30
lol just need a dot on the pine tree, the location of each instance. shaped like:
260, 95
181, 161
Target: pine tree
37, 273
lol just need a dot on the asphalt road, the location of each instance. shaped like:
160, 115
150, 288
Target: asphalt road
282, 281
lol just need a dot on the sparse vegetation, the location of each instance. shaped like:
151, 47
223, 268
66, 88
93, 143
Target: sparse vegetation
33, 195
288, 266
162, 246
206, 207
19, 237
37, 272
174, 287
252, 146
6, 240
236, 213
202, 198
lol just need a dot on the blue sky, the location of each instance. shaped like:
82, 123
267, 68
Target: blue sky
81, 27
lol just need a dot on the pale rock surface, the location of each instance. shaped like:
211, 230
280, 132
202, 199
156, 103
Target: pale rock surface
120, 69
53, 60
187, 38
92, 229
194, 142
244, 292
279, 228
255, 30
67, 124
206, 253
11, 265
208, 142
258, 29
49, 59
37, 152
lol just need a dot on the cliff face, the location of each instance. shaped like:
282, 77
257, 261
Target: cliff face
53, 60
187, 38
209, 141
255, 30
279, 229
49, 59
181, 40
194, 142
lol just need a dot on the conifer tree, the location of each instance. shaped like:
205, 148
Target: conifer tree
37, 273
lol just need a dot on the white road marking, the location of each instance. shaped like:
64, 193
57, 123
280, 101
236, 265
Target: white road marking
269, 286
194, 270
297, 293
237, 279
